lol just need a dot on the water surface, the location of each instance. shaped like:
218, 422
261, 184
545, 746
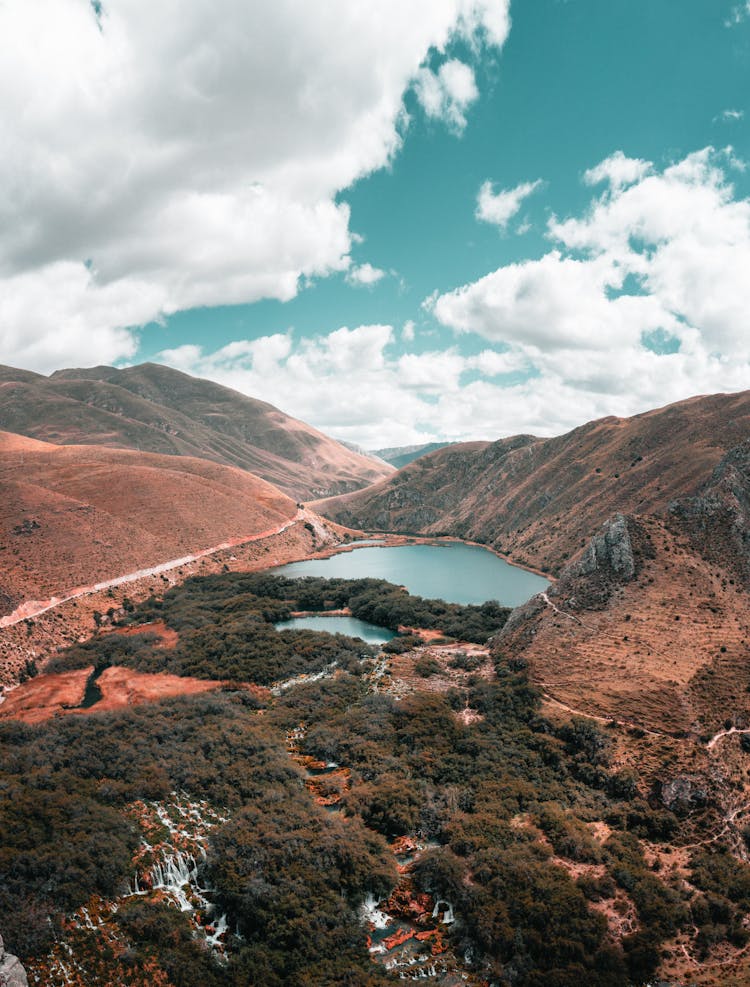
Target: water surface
453, 571
339, 625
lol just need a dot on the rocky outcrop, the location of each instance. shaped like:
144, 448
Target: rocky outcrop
609, 551
683, 794
717, 519
12, 974
613, 557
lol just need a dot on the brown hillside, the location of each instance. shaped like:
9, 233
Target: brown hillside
539, 499
160, 410
75, 515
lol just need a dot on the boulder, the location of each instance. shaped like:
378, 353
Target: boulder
12, 974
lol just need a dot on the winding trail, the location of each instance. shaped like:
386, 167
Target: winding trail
562, 613
722, 734
548, 697
34, 608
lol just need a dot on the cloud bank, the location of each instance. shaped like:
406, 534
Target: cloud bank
642, 300
161, 156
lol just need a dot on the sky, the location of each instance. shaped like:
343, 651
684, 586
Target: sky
400, 222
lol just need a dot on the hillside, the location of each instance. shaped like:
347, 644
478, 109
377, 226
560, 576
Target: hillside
400, 456
156, 409
75, 515
538, 500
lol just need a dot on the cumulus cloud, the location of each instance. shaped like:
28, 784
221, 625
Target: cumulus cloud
357, 385
658, 255
500, 207
618, 170
365, 274
448, 93
179, 158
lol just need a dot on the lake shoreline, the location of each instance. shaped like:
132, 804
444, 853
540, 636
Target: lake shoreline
386, 539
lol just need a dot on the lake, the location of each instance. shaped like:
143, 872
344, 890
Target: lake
452, 571
339, 625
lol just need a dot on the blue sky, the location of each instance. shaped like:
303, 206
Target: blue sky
469, 326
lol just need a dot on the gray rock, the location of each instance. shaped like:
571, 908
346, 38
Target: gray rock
683, 794
12, 974
610, 550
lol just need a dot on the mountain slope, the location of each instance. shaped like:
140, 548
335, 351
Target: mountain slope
160, 410
76, 515
539, 499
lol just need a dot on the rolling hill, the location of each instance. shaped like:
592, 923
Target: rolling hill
539, 500
156, 409
76, 515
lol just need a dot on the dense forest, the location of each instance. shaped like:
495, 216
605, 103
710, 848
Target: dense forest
495, 800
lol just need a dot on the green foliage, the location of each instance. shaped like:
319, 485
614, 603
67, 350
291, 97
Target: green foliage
291, 875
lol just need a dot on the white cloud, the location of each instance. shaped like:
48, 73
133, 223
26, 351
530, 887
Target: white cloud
738, 14
408, 331
365, 274
197, 159
500, 207
448, 93
730, 116
618, 170
658, 251
356, 385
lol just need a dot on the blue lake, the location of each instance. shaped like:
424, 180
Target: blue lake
339, 625
452, 571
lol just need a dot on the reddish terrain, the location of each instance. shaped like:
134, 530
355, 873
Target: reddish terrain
75, 515
61, 694
539, 500
156, 409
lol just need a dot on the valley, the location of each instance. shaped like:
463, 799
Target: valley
476, 777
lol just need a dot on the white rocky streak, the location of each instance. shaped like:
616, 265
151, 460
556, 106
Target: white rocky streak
324, 673
371, 914
448, 918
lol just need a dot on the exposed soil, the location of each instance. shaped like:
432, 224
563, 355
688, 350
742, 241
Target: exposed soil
62, 694
38, 638
670, 652
167, 636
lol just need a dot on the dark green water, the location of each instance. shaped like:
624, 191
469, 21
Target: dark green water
339, 625
452, 571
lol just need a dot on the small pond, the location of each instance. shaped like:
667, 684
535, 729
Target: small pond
338, 625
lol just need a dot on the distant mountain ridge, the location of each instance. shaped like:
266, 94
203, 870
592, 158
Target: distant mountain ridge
540, 499
156, 409
399, 456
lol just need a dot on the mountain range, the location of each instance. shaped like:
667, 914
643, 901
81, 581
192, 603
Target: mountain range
538, 501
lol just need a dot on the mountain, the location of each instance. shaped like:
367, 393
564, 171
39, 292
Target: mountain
160, 410
403, 455
76, 515
538, 500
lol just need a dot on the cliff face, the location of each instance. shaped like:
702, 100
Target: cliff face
539, 500
717, 518
12, 974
